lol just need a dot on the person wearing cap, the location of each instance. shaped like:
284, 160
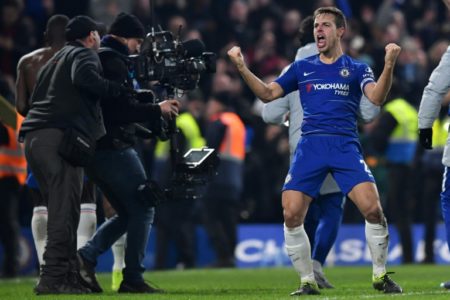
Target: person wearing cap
65, 99
116, 167
27, 71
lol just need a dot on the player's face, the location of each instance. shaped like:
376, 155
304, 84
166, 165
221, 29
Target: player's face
326, 34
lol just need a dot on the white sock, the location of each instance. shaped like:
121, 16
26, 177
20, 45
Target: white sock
39, 231
377, 237
118, 250
317, 266
299, 251
87, 225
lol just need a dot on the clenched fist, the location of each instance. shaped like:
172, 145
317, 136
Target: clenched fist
392, 52
236, 57
169, 108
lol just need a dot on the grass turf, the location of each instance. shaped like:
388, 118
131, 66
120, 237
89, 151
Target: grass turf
418, 282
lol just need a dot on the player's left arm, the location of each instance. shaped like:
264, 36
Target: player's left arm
22, 94
376, 92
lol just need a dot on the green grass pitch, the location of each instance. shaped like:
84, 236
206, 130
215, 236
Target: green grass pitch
418, 282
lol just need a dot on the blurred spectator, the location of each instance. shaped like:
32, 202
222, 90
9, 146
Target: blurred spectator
13, 172
263, 57
427, 27
411, 70
175, 219
395, 138
16, 37
71, 8
105, 11
261, 10
6, 88
287, 38
435, 53
177, 24
226, 133
236, 27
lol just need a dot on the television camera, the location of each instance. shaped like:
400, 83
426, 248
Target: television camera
170, 62
175, 65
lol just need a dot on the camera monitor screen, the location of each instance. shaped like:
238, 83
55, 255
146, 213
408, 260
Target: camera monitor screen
195, 157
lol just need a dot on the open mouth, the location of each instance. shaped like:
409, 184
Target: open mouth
320, 41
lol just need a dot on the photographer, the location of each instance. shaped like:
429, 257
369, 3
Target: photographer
116, 167
64, 111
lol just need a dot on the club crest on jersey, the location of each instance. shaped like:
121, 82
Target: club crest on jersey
344, 72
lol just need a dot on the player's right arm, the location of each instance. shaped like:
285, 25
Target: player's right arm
265, 92
433, 94
432, 97
22, 93
377, 91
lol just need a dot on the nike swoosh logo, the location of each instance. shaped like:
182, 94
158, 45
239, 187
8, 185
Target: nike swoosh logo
307, 74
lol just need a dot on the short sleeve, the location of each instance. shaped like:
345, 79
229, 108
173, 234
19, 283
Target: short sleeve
288, 81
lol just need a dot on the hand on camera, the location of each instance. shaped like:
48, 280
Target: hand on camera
169, 108
426, 137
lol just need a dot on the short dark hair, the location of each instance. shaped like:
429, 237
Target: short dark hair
56, 28
339, 17
306, 31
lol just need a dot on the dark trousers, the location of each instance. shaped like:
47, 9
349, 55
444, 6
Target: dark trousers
61, 184
431, 190
400, 202
220, 217
119, 173
322, 224
175, 223
9, 224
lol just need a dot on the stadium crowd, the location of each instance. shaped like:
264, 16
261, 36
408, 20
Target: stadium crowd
267, 32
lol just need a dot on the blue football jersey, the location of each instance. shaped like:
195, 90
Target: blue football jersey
330, 93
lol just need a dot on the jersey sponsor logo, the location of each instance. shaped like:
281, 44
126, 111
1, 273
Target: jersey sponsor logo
308, 73
331, 86
340, 89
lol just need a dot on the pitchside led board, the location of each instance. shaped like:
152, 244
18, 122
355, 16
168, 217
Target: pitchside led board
262, 246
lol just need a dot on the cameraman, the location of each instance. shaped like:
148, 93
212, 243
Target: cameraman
117, 168
65, 103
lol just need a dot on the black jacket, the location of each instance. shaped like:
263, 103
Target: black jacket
120, 112
67, 93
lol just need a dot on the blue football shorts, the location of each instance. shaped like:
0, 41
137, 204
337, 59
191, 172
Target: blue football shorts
318, 155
